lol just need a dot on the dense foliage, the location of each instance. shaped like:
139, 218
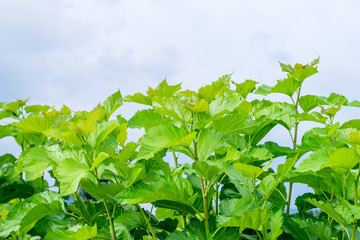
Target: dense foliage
227, 189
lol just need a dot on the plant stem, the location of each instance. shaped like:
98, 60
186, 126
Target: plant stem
206, 207
184, 221
217, 198
175, 160
294, 146
147, 221
110, 220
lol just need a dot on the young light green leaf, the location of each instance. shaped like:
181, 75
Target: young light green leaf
246, 87
209, 172
223, 105
287, 86
308, 102
12, 223
328, 210
231, 123
99, 159
83, 233
208, 141
34, 161
163, 136
112, 103
345, 158
144, 118
139, 98
172, 107
34, 124
250, 171
216, 89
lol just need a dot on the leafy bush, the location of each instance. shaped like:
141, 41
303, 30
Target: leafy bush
226, 189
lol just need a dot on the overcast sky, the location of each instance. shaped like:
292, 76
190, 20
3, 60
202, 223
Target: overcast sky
79, 52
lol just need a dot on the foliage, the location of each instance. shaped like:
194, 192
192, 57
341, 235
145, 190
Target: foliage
231, 185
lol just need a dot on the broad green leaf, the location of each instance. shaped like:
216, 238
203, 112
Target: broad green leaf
166, 192
199, 106
34, 124
12, 223
329, 210
99, 159
7, 130
112, 103
208, 141
83, 233
144, 118
276, 222
286, 67
139, 98
287, 86
246, 87
163, 136
7, 165
102, 132
301, 74
250, 171
283, 169
263, 90
318, 228
292, 228
253, 220
38, 212
308, 102
70, 170
122, 136
345, 158
69, 137
88, 126
223, 105
172, 107
164, 90
354, 123
101, 191
34, 162
353, 104
314, 161
313, 117
216, 89
208, 171
37, 108
237, 207
231, 124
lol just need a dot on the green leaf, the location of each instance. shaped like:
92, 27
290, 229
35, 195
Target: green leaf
13, 222
199, 106
70, 170
139, 98
329, 210
231, 123
34, 161
208, 141
88, 126
82, 233
354, 123
209, 172
166, 192
250, 171
276, 222
292, 228
308, 102
172, 107
223, 105
216, 89
7, 130
287, 86
164, 90
345, 158
163, 136
314, 161
246, 87
145, 118
34, 124
99, 159
253, 219
263, 90
101, 191
301, 74
112, 103
38, 212
104, 129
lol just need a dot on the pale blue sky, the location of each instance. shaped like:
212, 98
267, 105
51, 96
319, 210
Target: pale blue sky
79, 52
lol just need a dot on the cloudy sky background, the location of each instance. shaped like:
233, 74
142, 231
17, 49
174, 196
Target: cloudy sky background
79, 52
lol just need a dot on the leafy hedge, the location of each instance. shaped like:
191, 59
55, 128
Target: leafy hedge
227, 189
